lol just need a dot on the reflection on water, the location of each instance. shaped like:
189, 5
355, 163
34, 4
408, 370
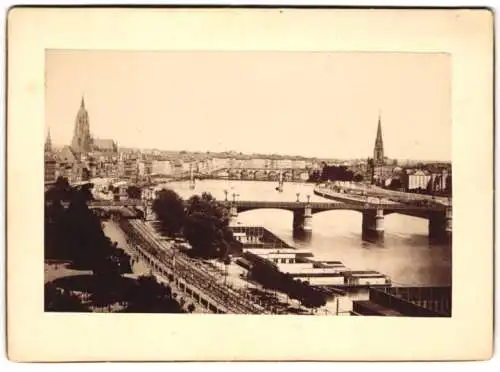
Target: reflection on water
406, 255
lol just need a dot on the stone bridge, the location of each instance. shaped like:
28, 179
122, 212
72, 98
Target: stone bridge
262, 174
439, 216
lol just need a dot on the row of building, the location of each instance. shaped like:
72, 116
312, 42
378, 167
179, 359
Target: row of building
77, 168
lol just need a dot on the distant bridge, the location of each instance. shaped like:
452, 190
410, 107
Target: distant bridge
262, 174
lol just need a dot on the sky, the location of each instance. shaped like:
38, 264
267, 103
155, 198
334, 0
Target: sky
314, 104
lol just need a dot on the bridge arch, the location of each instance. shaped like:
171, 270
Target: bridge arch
401, 223
250, 209
323, 211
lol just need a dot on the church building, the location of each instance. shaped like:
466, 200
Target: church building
83, 144
381, 171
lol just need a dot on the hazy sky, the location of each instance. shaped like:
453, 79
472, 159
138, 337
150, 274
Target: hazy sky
311, 104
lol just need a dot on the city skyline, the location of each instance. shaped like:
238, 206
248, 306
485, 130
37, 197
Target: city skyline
256, 90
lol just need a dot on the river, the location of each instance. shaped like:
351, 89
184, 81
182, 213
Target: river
406, 255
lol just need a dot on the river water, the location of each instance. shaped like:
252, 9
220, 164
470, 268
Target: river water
406, 255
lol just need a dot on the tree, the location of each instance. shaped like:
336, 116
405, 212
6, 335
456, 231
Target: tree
134, 192
315, 176
61, 190
84, 193
169, 207
111, 188
107, 269
54, 236
270, 277
85, 174
395, 184
207, 227
123, 259
150, 296
336, 173
358, 178
87, 243
57, 299
449, 184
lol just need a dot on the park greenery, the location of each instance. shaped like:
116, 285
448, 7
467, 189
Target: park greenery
202, 220
74, 234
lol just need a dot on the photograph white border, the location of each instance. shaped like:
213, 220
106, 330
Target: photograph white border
37, 336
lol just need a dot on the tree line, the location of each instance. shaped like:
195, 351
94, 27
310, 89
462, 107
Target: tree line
270, 277
334, 173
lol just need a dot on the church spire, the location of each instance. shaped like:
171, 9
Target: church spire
378, 151
48, 142
81, 142
379, 131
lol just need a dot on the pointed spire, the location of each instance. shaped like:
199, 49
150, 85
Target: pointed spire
48, 142
378, 153
82, 105
379, 129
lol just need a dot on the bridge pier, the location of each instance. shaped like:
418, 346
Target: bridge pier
373, 226
440, 226
146, 208
233, 215
302, 223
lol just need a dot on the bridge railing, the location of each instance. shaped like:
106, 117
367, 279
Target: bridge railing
115, 203
249, 204
332, 206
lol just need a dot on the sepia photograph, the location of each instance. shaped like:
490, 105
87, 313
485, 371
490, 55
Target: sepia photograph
249, 184
203, 182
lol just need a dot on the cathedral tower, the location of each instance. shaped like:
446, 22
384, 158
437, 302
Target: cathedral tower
82, 142
378, 151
